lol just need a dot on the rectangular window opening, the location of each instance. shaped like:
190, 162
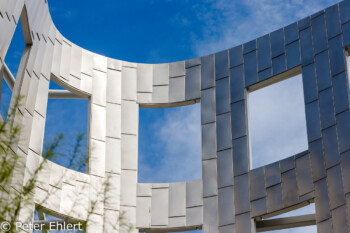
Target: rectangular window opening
10, 69
169, 144
277, 122
67, 123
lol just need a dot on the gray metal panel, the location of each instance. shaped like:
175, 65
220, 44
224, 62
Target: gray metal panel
160, 94
336, 54
340, 92
287, 164
236, 56
194, 193
208, 141
258, 207
304, 23
264, 52
313, 121
225, 168
335, 187
177, 199
339, 220
346, 34
143, 212
226, 206
323, 71
192, 62
279, 64
177, 89
194, 216
293, 54
144, 78
345, 166
237, 84
325, 226
208, 106
309, 83
144, 190
289, 188
222, 96
307, 52
244, 224
193, 83
207, 71
249, 46
177, 69
344, 11
319, 33
241, 161
265, 74
227, 229
224, 137
159, 207
238, 119
330, 144
241, 195
221, 65
161, 74
274, 198
210, 184
291, 33
272, 174
333, 21
277, 42
343, 129
210, 214
321, 201
304, 176
317, 161
257, 183
250, 68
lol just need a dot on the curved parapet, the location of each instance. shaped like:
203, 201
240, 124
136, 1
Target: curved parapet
230, 197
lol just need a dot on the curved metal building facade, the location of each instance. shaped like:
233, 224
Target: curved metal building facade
231, 197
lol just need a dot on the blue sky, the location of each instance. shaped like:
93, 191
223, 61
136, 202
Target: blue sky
157, 31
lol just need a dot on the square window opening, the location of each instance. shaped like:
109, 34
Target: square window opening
66, 130
277, 122
169, 144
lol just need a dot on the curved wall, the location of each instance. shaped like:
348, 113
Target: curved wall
230, 196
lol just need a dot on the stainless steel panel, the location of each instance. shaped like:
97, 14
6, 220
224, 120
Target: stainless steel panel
226, 206
291, 33
144, 78
345, 166
323, 71
192, 62
239, 119
306, 45
335, 187
336, 55
330, 144
339, 220
208, 141
343, 129
319, 33
293, 54
242, 203
244, 224
344, 7
313, 123
325, 226
279, 64
177, 69
321, 201
177, 199
159, 207
177, 89
161, 74
144, 190
222, 96
289, 188
241, 157
194, 216
236, 56
274, 198
208, 106
194, 193
224, 137
317, 160
340, 92
143, 212
210, 214
257, 183
264, 52
237, 84
249, 46
207, 71
225, 168
258, 207
304, 176
277, 42
272, 174
309, 83
210, 184
250, 68
221, 65
193, 83
333, 21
